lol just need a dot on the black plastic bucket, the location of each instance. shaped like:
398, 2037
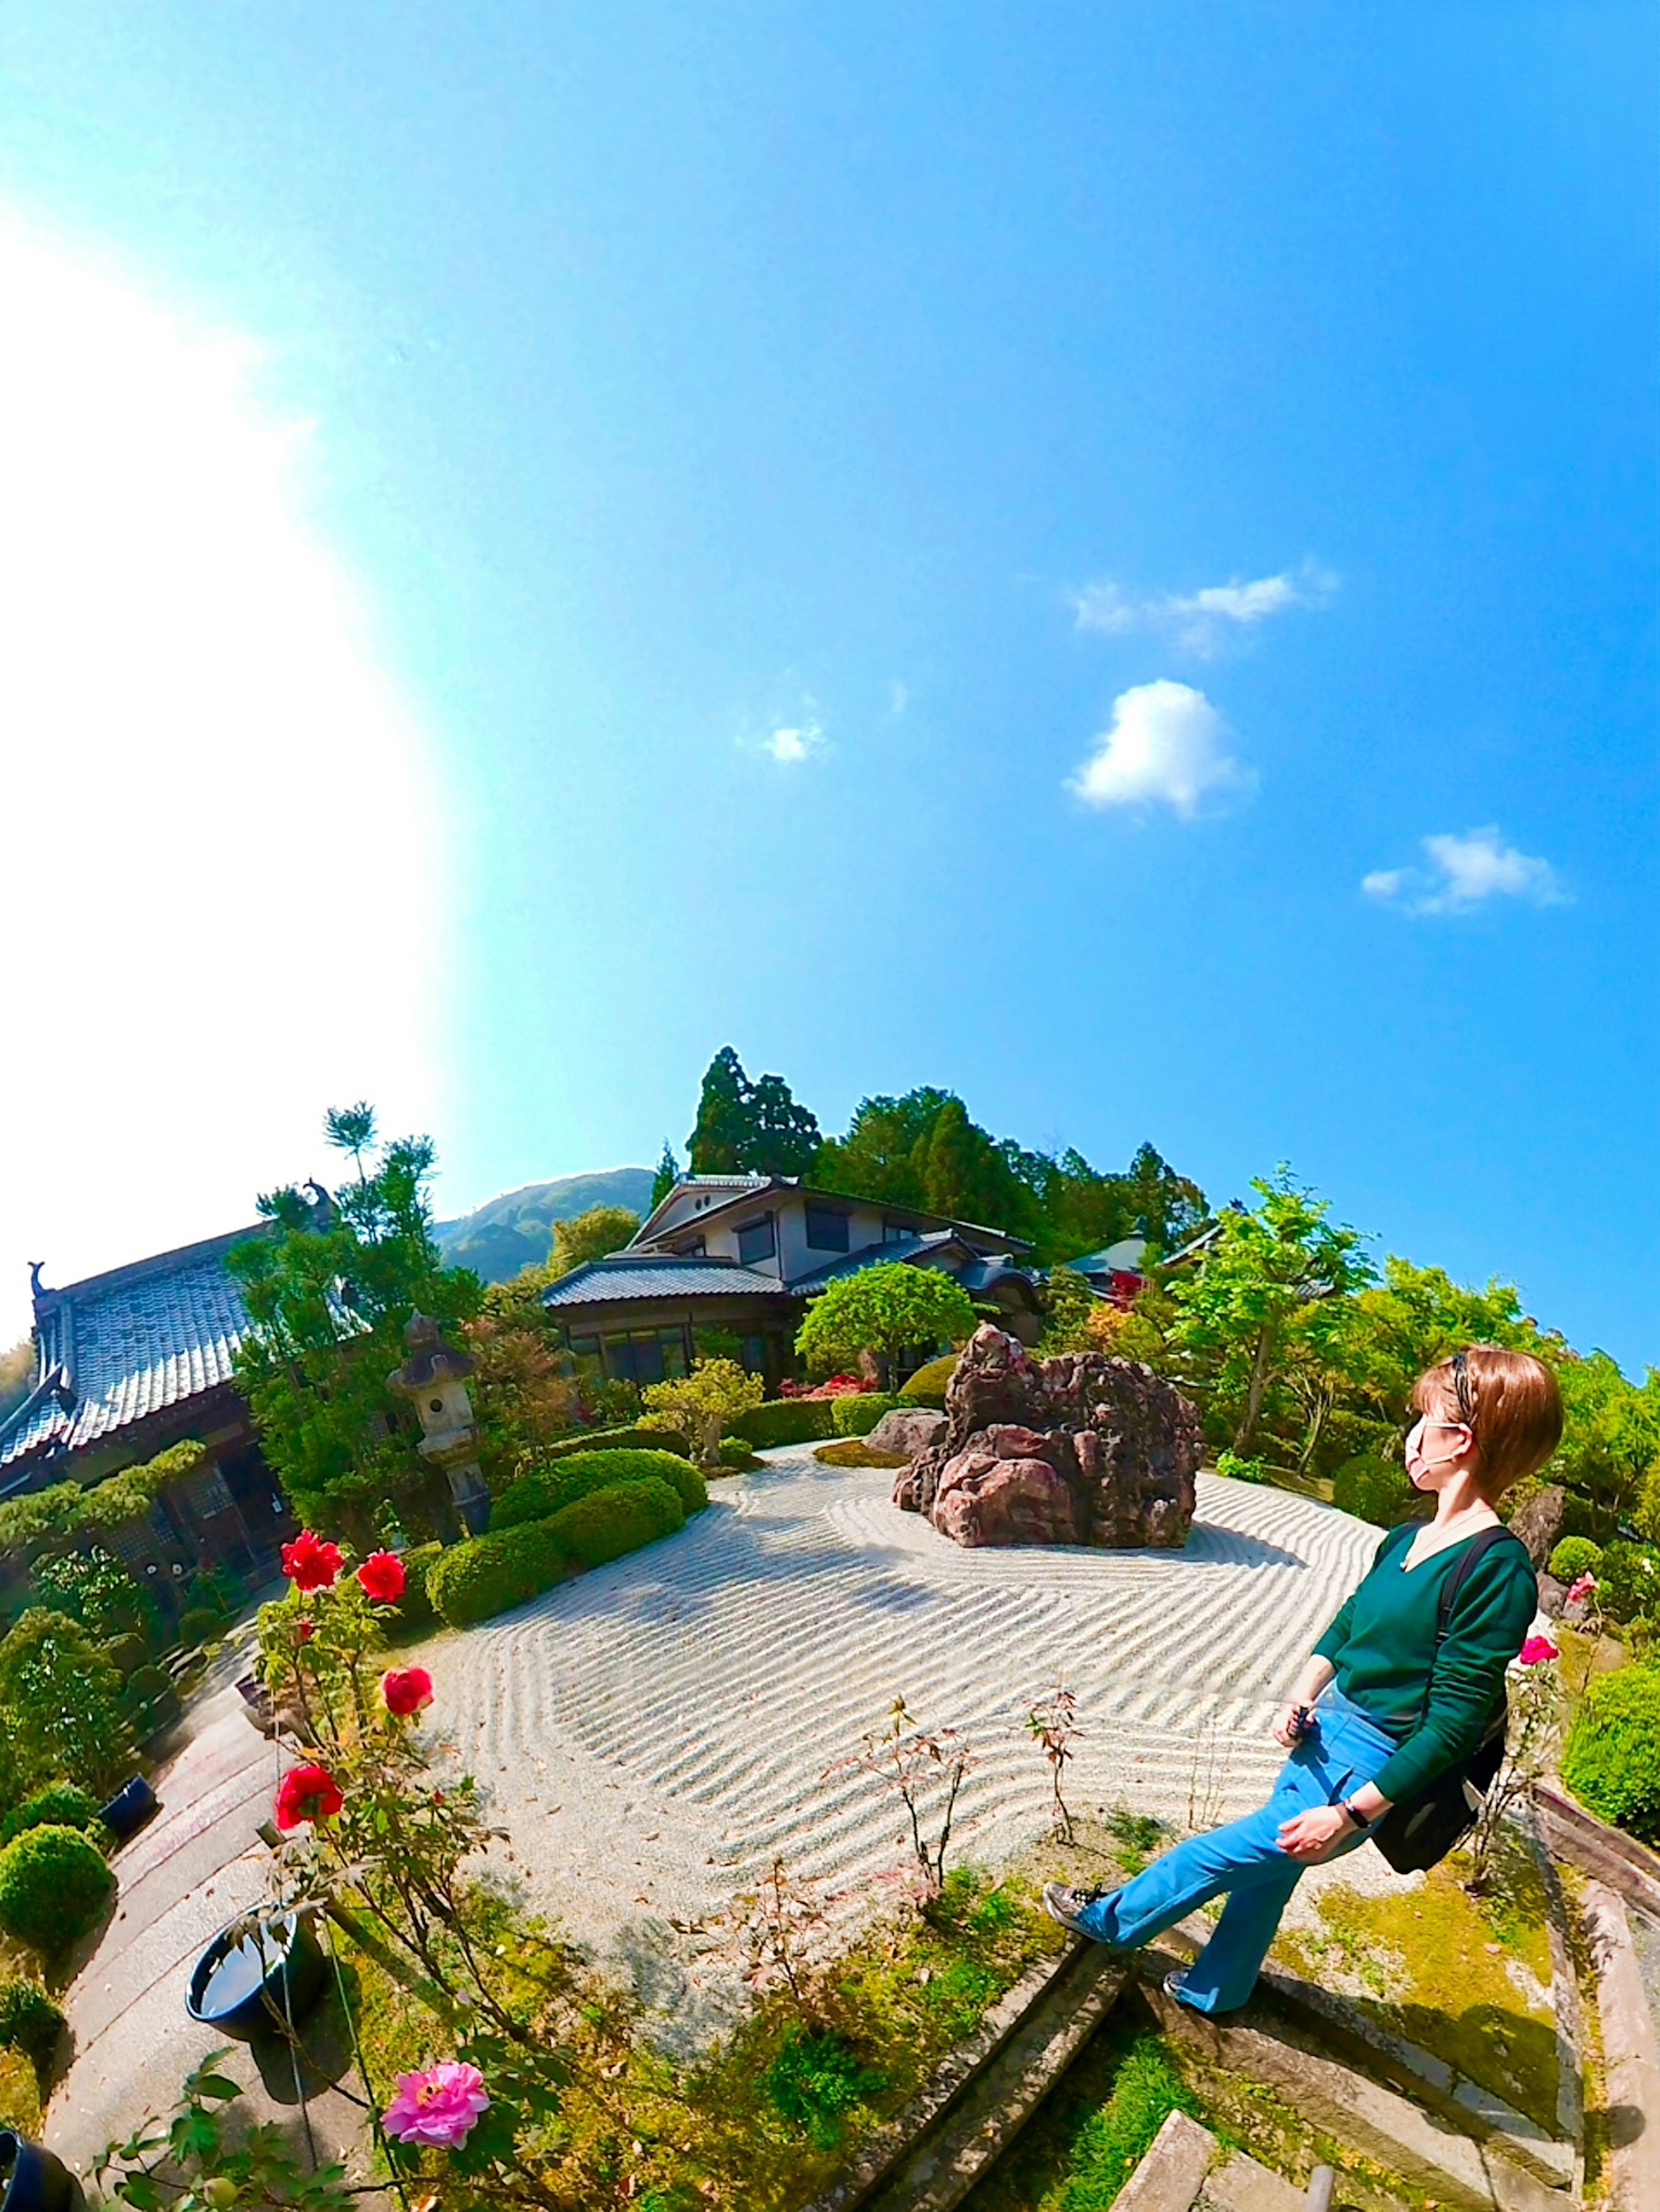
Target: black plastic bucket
133, 1803
34, 2180
256, 1974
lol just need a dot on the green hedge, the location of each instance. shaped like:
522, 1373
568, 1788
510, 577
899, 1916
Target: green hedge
196, 1625
488, 1574
736, 1454
787, 1421
628, 1439
1612, 1762
928, 1386
416, 1605
1373, 1488
127, 1653
857, 1417
60, 1804
1575, 1556
54, 1887
609, 1522
548, 1490
30, 2022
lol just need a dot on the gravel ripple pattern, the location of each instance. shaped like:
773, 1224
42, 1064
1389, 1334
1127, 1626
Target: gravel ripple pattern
654, 1732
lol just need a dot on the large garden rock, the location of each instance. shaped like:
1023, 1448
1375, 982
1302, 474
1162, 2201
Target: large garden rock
1538, 1521
910, 1429
1079, 1450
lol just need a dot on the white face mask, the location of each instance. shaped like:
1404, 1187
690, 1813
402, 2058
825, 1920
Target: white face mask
1415, 1436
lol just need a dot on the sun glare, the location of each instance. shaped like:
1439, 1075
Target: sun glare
221, 886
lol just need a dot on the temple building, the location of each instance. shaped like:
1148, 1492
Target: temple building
743, 1253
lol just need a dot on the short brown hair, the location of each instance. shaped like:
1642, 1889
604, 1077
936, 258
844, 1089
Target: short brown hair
1512, 1403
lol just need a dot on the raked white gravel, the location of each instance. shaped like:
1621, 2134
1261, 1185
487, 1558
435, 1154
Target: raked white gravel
652, 1733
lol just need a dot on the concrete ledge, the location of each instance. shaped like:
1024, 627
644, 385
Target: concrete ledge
1172, 2172
1618, 1860
1631, 2054
1243, 2186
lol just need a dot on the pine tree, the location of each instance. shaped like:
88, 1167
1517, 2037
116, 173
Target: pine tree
784, 1136
667, 1175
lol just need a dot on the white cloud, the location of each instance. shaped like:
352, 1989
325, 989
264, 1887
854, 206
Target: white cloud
797, 742
216, 805
1201, 622
1465, 870
899, 699
1168, 744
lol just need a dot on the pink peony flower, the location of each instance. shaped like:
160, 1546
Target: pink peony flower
406, 1690
381, 1577
312, 1562
1537, 1650
440, 2106
1583, 1588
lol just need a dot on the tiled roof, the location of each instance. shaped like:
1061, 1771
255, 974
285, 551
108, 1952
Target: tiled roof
896, 1248
656, 1275
124, 1345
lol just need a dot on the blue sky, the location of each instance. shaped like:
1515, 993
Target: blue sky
1105, 558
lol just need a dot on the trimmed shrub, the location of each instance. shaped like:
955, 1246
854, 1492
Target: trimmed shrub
30, 2022
1629, 1581
787, 1421
1375, 1489
145, 1685
415, 1606
855, 1451
736, 1455
60, 1805
1575, 1556
1241, 1470
928, 1386
548, 1490
54, 1887
609, 1522
1612, 1762
628, 1439
127, 1654
487, 1575
198, 1624
857, 1417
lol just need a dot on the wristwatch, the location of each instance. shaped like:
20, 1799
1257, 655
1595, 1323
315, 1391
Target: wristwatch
1361, 1820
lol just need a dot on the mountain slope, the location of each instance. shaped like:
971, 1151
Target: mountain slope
497, 1239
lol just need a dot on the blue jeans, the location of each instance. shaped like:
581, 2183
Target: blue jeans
1244, 1859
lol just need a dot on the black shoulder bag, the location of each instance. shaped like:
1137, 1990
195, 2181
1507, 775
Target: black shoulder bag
1419, 1832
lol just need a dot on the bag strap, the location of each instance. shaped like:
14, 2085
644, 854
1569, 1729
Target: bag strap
1474, 1551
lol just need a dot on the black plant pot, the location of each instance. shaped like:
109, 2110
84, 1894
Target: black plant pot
133, 1803
31, 2179
256, 1974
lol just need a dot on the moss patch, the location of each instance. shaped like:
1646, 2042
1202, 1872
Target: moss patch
853, 1451
1466, 1977
19, 2099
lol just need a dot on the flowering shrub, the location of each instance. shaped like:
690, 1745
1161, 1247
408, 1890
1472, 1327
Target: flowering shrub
1537, 1651
1581, 1587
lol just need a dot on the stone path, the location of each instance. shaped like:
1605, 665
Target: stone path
651, 1734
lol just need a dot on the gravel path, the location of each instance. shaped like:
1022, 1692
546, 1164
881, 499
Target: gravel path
652, 1733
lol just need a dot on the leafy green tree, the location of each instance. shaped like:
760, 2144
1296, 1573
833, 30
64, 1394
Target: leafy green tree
1165, 1207
95, 1588
667, 1175
750, 1128
328, 1290
16, 1375
889, 1308
1610, 1438
1240, 1304
59, 1702
589, 1236
1068, 1301
702, 1404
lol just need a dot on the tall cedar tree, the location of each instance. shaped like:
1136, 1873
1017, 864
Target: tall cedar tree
749, 1128
667, 1175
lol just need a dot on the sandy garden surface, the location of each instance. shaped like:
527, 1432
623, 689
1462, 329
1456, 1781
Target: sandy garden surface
651, 1733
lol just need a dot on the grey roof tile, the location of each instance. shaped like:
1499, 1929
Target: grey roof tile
652, 1275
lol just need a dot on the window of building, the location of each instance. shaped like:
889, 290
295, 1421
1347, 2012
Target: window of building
892, 1231
646, 1355
758, 1240
827, 1228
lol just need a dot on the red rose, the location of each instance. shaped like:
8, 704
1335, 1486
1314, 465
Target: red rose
406, 1690
304, 1629
307, 1793
311, 1562
381, 1577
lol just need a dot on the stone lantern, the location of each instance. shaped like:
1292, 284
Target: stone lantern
433, 1377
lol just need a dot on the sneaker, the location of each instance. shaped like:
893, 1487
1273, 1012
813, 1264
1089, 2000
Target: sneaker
1175, 1983
1063, 1903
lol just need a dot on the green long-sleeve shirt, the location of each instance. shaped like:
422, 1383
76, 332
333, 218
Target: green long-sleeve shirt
1382, 1645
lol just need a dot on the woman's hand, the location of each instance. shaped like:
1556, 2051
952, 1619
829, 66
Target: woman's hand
1284, 1725
1314, 1835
